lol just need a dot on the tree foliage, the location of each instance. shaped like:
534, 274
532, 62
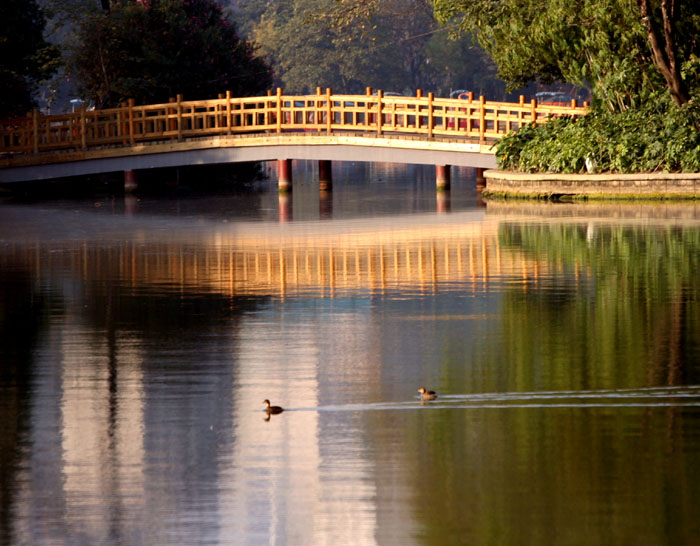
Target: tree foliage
640, 58
396, 46
26, 57
151, 50
605, 43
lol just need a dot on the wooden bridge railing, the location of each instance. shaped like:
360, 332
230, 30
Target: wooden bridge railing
178, 120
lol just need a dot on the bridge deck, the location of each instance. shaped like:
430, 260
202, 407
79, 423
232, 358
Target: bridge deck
323, 126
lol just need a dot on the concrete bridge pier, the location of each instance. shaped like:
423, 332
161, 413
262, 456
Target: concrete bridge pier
284, 175
442, 177
325, 175
130, 183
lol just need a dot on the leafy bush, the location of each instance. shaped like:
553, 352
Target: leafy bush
656, 137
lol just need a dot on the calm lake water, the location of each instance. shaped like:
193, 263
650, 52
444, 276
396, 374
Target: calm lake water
140, 336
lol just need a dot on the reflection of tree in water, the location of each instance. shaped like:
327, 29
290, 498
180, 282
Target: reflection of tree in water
617, 308
200, 327
626, 303
22, 318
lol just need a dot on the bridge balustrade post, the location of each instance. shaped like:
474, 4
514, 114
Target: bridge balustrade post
431, 120
83, 128
380, 114
171, 122
419, 109
123, 123
218, 118
229, 117
35, 131
179, 117
329, 110
131, 121
318, 111
279, 109
482, 118
533, 111
268, 113
470, 111
368, 114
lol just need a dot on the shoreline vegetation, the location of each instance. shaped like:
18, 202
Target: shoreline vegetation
648, 152
656, 137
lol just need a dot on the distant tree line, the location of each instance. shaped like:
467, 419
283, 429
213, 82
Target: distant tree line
393, 45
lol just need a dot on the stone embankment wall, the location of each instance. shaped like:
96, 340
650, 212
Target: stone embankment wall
593, 186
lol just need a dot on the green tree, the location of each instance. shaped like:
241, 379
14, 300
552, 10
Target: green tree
672, 31
459, 63
151, 50
640, 59
626, 53
309, 49
26, 57
395, 46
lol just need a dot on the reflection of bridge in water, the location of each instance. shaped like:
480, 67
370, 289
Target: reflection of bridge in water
416, 254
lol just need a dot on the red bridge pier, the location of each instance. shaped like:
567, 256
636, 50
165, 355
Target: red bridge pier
284, 175
325, 175
442, 177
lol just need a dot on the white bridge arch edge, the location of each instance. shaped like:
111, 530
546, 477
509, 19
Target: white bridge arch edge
360, 149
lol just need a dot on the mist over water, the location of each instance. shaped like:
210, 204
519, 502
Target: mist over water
139, 337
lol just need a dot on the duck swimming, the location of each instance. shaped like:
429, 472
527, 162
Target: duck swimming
427, 395
272, 409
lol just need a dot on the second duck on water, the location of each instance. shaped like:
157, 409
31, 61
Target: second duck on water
272, 409
427, 395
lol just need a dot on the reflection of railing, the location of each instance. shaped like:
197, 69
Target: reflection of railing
425, 258
177, 120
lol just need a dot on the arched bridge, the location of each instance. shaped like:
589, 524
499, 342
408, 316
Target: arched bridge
422, 129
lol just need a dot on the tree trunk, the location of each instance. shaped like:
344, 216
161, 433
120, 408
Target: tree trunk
663, 47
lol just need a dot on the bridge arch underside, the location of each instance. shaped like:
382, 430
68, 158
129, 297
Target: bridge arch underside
237, 150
